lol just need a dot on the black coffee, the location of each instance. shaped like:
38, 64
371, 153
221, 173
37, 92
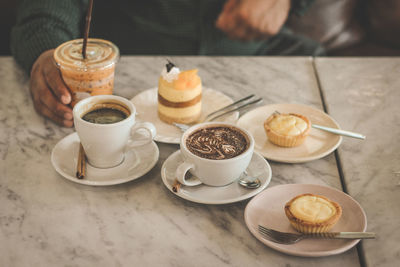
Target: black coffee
104, 116
218, 142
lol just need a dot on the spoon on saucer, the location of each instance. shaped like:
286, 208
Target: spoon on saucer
249, 182
245, 181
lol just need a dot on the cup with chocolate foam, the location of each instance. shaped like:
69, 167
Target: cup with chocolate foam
215, 153
93, 75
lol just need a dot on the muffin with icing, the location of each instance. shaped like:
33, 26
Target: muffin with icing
287, 130
179, 95
309, 213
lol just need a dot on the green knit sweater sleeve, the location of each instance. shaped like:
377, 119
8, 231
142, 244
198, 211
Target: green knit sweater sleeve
43, 25
299, 7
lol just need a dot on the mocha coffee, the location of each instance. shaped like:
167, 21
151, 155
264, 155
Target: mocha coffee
217, 142
106, 113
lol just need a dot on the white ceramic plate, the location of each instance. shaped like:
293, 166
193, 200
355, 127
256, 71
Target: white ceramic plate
267, 209
137, 163
204, 194
146, 108
317, 145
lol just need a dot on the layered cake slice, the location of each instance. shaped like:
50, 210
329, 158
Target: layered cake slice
179, 95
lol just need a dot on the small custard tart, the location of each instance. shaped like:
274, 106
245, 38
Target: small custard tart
287, 130
309, 213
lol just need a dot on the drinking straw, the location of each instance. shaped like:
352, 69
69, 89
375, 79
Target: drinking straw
87, 27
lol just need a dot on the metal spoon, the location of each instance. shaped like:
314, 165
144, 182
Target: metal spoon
249, 182
334, 131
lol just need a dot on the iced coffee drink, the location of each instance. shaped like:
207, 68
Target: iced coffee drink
91, 76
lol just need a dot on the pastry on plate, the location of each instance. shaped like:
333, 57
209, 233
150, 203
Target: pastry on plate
309, 213
179, 95
287, 130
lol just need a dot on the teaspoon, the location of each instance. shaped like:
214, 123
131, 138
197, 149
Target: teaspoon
334, 131
249, 182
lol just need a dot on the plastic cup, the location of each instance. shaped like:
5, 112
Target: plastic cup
91, 76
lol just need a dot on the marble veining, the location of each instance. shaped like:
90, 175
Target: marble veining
46, 220
364, 94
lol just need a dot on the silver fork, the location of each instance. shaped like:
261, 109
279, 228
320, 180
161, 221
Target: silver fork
290, 238
231, 108
181, 126
228, 106
223, 111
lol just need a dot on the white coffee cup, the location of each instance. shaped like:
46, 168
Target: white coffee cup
213, 172
105, 145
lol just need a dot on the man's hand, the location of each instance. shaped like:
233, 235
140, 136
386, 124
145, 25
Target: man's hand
253, 19
49, 93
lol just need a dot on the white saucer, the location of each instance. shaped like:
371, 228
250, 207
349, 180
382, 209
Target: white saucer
146, 107
137, 163
317, 145
267, 209
204, 194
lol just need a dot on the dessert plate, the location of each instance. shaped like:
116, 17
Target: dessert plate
137, 162
204, 194
267, 209
317, 145
146, 107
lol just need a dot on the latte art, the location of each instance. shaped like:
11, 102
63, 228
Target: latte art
217, 142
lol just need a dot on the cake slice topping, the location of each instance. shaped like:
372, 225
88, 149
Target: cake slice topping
170, 72
169, 66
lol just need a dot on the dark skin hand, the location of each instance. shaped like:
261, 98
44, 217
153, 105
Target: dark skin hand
51, 97
249, 20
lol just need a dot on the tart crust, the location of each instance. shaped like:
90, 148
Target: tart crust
282, 139
308, 227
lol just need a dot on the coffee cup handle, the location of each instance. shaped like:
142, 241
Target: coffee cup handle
151, 133
181, 171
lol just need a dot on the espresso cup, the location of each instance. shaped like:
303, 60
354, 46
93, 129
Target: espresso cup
106, 140
214, 152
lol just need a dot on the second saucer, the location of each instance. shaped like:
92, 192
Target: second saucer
204, 194
137, 162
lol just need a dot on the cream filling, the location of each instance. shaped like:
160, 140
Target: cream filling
180, 112
174, 95
312, 209
288, 125
170, 76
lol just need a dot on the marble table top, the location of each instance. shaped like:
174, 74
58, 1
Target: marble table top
364, 95
48, 220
